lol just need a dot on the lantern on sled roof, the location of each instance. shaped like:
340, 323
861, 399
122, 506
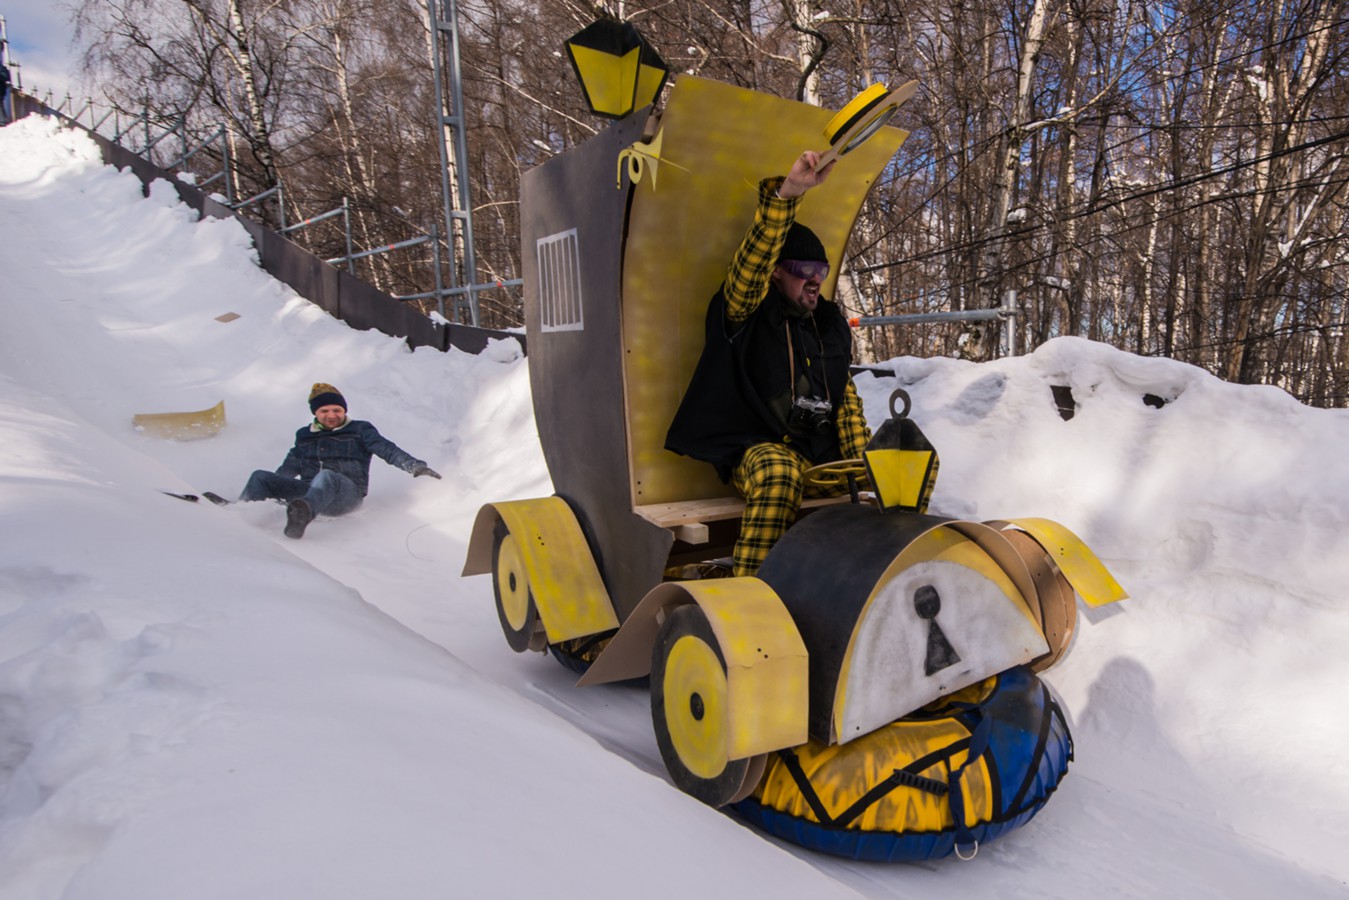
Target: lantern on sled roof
618, 70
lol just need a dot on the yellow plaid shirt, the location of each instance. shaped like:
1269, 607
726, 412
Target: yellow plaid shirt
747, 283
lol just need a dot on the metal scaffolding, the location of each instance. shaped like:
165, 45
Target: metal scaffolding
454, 182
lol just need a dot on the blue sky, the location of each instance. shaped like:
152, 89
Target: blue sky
39, 36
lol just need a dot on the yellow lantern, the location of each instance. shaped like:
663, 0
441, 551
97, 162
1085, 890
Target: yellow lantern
618, 70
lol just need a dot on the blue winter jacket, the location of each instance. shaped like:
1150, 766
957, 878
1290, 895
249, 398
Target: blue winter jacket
345, 450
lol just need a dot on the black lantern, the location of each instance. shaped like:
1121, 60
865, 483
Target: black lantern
618, 70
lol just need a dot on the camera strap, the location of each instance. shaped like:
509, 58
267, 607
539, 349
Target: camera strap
791, 360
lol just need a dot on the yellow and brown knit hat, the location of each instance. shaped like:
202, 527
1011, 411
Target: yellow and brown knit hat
321, 395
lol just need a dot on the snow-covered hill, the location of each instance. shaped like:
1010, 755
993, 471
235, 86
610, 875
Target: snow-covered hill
192, 705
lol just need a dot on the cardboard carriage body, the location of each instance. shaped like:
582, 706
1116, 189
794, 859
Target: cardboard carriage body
881, 660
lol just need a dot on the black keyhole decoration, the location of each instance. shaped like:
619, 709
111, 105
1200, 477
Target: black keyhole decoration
940, 653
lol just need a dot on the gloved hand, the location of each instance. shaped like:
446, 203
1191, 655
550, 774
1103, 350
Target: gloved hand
424, 469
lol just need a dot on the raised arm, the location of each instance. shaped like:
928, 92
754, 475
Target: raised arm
751, 268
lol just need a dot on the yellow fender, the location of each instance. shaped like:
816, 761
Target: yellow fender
563, 578
1087, 574
767, 688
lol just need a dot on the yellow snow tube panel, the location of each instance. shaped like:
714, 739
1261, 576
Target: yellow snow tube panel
841, 774
946, 779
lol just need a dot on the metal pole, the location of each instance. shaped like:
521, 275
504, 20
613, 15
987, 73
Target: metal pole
256, 198
461, 164
229, 165
435, 263
313, 220
410, 242
960, 315
346, 224
182, 136
486, 286
7, 103
1009, 310
437, 74
453, 119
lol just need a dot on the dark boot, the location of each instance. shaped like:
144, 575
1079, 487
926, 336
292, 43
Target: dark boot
298, 516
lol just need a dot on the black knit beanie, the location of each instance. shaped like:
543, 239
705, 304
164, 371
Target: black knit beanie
802, 244
321, 395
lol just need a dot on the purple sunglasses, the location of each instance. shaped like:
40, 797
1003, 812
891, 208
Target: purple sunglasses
805, 269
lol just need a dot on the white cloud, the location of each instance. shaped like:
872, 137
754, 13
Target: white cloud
40, 33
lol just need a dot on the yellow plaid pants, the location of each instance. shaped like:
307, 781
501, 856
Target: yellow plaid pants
769, 478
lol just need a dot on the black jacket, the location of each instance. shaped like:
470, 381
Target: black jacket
345, 450
742, 385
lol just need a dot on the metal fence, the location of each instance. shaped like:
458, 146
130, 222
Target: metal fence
141, 135
317, 280
1003, 314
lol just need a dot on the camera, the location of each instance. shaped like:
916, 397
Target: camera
809, 415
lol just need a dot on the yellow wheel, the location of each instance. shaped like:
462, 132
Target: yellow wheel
515, 604
689, 708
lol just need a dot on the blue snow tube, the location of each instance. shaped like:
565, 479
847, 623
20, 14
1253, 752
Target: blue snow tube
948, 778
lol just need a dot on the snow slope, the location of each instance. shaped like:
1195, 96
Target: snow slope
193, 705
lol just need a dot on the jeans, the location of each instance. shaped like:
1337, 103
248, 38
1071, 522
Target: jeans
329, 494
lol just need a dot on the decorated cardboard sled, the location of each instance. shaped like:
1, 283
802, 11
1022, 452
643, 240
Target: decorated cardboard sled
883, 660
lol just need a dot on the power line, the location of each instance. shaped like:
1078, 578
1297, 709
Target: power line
1105, 205
936, 163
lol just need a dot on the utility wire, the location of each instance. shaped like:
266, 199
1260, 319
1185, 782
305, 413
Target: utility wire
1104, 205
937, 163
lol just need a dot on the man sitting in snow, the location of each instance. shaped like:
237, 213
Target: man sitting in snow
327, 472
